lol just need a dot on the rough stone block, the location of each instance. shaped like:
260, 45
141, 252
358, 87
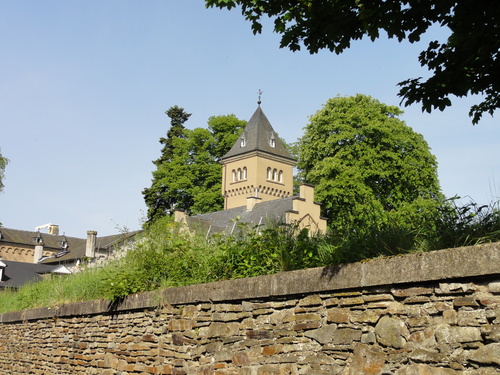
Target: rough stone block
447, 334
306, 325
422, 369
322, 335
392, 331
494, 287
489, 354
351, 301
414, 291
365, 316
423, 339
465, 301
346, 336
301, 317
471, 318
366, 360
313, 300
241, 359
337, 315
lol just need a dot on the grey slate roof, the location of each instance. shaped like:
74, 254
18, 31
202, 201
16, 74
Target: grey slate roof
258, 133
262, 213
104, 243
76, 246
51, 242
16, 274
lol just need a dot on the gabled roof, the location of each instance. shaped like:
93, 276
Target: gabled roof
51, 242
263, 213
105, 243
16, 274
258, 135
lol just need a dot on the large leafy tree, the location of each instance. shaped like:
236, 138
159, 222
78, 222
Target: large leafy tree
466, 63
188, 175
372, 172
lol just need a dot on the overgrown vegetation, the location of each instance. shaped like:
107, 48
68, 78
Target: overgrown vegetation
167, 256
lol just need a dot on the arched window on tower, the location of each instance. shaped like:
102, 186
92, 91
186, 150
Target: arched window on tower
280, 176
234, 175
269, 173
275, 174
240, 174
243, 140
245, 173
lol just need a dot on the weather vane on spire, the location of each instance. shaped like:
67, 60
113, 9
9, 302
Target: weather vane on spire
260, 93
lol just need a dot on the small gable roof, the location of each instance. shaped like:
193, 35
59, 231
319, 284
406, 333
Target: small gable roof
16, 274
258, 135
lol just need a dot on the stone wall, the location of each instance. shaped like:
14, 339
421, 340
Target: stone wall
434, 313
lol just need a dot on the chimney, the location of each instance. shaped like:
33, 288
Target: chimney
307, 192
179, 216
2, 269
38, 247
54, 229
38, 253
91, 243
251, 202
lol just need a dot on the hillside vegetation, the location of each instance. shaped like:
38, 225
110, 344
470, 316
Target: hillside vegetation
166, 256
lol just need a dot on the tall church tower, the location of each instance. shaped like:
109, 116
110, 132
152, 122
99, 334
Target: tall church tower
258, 165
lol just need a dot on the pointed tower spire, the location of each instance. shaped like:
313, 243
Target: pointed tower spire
258, 164
259, 135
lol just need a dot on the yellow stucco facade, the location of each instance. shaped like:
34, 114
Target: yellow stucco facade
256, 174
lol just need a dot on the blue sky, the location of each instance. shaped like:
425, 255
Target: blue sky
84, 86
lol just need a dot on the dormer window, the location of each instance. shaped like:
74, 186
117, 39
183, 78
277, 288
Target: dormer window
272, 141
243, 140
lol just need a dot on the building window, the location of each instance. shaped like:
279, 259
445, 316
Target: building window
234, 175
240, 175
272, 141
244, 173
269, 173
275, 174
243, 140
280, 176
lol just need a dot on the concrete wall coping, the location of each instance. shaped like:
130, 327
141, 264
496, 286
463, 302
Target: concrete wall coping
471, 261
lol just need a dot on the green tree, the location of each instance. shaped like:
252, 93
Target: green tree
188, 175
177, 119
157, 200
466, 63
3, 163
372, 172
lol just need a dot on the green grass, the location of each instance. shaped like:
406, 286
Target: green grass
165, 256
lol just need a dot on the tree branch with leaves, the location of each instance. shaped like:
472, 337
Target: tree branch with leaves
467, 63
